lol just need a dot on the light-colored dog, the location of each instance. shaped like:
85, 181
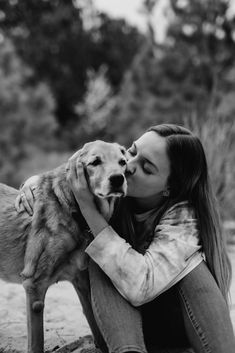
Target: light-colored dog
48, 247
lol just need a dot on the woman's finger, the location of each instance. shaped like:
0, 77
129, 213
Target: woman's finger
73, 169
26, 204
71, 172
18, 204
80, 174
29, 196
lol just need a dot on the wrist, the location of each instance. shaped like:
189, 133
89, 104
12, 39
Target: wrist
87, 208
94, 219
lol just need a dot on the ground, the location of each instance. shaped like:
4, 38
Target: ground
66, 329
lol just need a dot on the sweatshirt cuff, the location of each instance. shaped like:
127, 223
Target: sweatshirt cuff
104, 245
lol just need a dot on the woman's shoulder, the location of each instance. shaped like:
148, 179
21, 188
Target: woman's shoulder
180, 212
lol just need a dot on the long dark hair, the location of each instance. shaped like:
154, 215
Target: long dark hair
188, 181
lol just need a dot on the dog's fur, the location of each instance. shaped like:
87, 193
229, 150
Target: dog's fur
49, 246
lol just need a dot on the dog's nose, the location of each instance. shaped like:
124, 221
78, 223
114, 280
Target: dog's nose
116, 180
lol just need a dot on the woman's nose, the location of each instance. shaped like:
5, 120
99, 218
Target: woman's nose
130, 168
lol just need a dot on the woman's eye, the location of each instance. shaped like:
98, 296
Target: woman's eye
147, 171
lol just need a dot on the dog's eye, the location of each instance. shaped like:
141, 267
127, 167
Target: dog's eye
96, 162
123, 150
122, 162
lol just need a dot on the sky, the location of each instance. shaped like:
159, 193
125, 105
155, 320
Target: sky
131, 10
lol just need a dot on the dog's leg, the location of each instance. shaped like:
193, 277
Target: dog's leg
81, 285
35, 246
35, 305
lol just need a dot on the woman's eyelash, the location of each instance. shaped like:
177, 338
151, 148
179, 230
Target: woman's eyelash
146, 170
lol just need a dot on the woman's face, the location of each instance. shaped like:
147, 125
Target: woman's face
148, 166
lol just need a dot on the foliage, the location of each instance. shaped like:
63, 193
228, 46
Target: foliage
39, 161
191, 73
201, 35
102, 79
54, 39
25, 113
97, 105
218, 138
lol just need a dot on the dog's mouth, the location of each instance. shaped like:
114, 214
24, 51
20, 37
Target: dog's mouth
116, 193
119, 193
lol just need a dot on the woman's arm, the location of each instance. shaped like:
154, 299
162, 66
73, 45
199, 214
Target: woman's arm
139, 278
173, 253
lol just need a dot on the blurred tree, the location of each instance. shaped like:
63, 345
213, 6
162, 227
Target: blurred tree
25, 111
114, 44
97, 106
218, 138
202, 43
53, 37
191, 73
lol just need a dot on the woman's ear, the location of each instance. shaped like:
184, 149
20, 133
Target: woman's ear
166, 192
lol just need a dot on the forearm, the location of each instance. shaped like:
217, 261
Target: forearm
94, 219
174, 251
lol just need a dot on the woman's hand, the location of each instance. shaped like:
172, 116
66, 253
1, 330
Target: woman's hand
78, 184
25, 199
85, 199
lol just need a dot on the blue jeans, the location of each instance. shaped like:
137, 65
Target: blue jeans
192, 313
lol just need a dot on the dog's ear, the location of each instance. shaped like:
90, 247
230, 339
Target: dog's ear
80, 154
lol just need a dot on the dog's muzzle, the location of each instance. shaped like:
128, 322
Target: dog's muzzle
116, 182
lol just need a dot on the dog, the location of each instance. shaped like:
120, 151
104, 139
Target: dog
48, 246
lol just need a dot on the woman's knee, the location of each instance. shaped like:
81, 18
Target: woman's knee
206, 315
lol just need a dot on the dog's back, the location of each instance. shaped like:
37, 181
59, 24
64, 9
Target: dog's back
36, 245
54, 232
47, 247
14, 230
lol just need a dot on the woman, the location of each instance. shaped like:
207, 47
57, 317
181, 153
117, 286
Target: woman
163, 252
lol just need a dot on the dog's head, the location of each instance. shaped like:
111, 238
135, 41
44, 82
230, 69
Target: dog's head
105, 165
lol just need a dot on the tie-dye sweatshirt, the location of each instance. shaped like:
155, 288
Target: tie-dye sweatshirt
174, 251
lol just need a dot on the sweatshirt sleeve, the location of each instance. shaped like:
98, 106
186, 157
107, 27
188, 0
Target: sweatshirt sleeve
140, 278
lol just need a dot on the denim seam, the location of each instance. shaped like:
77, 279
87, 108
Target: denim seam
195, 324
129, 348
118, 350
98, 318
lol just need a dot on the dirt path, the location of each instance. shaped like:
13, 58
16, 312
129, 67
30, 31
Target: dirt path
64, 321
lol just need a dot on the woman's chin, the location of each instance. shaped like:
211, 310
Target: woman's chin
131, 192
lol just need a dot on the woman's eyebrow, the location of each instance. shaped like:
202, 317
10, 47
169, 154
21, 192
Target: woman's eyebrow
146, 159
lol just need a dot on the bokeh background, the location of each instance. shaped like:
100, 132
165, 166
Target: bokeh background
72, 71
